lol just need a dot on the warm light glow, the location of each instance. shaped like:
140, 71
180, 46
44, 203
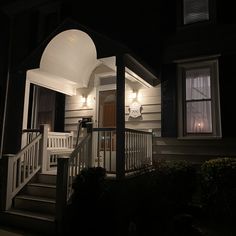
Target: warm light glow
132, 95
140, 97
83, 99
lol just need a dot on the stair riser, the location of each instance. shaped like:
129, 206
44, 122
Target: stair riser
37, 206
41, 191
47, 179
28, 224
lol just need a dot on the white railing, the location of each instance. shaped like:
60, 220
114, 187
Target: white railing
21, 168
104, 140
58, 144
138, 149
57, 140
68, 167
30, 134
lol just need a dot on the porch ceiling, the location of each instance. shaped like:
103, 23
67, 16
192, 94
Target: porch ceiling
69, 59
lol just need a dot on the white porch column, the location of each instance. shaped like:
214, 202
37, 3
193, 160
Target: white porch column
120, 117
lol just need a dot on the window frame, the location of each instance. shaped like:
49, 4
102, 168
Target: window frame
211, 14
215, 99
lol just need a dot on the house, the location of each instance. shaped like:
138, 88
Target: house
72, 99
187, 108
197, 81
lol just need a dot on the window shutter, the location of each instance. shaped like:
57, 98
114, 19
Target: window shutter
195, 11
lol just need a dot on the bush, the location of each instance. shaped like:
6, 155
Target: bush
219, 187
89, 208
177, 179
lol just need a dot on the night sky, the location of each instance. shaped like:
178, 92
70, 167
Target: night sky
135, 26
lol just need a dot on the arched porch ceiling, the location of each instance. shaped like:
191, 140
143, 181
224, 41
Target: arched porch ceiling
66, 63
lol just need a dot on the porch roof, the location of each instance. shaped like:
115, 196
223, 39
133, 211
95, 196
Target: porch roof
71, 54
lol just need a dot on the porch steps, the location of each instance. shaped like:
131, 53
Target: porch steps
35, 203
34, 207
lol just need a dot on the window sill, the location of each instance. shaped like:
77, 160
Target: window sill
199, 138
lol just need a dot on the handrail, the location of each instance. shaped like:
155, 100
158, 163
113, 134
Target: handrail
138, 131
126, 129
21, 168
68, 167
138, 149
80, 144
30, 130
104, 129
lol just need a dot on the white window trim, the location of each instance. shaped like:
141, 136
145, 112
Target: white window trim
216, 118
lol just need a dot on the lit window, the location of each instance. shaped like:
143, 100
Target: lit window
195, 11
199, 113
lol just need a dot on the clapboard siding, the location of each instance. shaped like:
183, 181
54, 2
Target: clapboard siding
145, 125
150, 101
145, 117
147, 109
79, 113
192, 150
145, 100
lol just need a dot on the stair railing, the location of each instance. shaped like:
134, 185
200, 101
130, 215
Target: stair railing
21, 167
68, 167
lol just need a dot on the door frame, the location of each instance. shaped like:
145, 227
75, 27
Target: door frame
102, 88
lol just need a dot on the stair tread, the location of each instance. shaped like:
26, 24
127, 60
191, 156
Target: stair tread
31, 214
36, 198
42, 185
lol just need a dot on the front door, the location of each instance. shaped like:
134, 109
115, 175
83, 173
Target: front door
107, 139
107, 109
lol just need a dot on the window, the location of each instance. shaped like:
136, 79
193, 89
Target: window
199, 112
195, 11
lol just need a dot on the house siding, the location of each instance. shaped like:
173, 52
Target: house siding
150, 119
150, 101
216, 37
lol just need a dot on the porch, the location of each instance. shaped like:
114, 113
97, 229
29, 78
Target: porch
122, 145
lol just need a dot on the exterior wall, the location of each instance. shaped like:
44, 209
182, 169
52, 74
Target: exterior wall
148, 98
195, 151
75, 109
190, 41
150, 101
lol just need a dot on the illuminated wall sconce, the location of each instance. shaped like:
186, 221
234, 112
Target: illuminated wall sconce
132, 95
83, 99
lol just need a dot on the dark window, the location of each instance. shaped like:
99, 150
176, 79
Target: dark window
195, 11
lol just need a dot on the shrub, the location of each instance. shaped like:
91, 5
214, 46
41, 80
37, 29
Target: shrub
219, 187
176, 181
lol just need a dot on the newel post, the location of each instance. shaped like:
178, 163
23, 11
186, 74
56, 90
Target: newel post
89, 126
43, 147
61, 189
6, 196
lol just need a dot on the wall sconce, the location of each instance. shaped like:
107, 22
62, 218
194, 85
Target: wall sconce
83, 99
132, 95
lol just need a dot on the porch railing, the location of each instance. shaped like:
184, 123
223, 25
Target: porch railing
30, 134
68, 167
138, 149
20, 168
58, 143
